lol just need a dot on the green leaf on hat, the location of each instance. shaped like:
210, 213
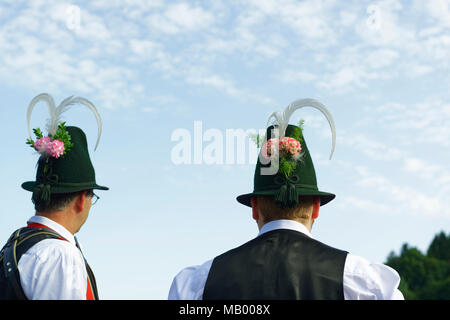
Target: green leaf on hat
62, 135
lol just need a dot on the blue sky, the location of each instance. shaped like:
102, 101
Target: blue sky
152, 67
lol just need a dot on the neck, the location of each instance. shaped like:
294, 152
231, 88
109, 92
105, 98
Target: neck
307, 223
63, 218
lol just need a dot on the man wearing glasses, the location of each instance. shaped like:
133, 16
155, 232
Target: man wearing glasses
44, 261
55, 269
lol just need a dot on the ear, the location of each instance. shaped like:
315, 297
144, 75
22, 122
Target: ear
255, 211
316, 208
80, 201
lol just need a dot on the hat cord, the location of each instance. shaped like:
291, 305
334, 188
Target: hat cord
286, 195
42, 192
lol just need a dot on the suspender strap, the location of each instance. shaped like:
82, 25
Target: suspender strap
10, 267
19, 243
91, 293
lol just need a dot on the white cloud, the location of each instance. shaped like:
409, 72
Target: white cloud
418, 70
149, 109
347, 18
395, 48
345, 78
381, 58
180, 18
108, 55
366, 205
130, 7
309, 19
382, 26
440, 10
294, 76
199, 77
420, 167
39, 48
323, 43
404, 199
429, 118
146, 50
202, 77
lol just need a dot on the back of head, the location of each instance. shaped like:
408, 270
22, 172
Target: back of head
270, 211
58, 201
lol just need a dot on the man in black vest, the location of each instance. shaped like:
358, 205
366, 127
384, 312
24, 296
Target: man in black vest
284, 261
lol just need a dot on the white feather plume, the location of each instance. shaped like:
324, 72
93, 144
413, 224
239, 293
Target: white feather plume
55, 118
41, 97
91, 106
56, 113
282, 119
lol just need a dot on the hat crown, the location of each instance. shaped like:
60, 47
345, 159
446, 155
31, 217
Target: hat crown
75, 167
302, 176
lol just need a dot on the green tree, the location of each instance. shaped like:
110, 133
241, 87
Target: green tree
440, 247
424, 276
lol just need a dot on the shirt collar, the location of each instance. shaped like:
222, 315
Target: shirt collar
54, 226
284, 224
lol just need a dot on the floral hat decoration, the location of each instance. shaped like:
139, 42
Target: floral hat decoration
285, 169
64, 165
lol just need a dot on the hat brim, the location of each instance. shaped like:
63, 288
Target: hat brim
325, 197
67, 188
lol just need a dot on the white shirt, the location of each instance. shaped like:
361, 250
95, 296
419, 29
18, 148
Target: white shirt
363, 280
53, 269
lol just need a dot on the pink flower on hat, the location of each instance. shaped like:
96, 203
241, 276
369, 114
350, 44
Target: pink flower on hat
270, 147
45, 145
290, 146
56, 148
54, 145
286, 146
42, 144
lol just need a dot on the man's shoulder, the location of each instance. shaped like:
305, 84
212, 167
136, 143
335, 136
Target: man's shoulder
188, 284
364, 279
277, 233
359, 265
195, 271
52, 249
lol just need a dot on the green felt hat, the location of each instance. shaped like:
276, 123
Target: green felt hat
287, 177
70, 173
67, 172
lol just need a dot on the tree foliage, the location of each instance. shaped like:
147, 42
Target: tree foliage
424, 276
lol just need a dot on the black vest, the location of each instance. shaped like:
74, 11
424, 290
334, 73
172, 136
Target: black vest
19, 243
279, 264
